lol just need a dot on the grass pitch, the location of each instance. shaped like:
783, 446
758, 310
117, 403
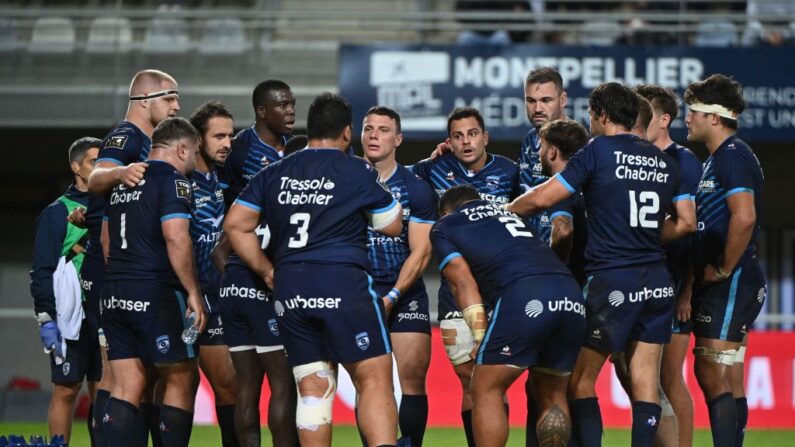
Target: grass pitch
347, 436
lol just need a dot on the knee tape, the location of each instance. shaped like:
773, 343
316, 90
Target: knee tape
103, 341
726, 357
457, 339
665, 404
313, 411
740, 356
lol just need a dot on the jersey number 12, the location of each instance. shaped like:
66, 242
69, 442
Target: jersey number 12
646, 216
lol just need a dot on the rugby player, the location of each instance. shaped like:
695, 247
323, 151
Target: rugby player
151, 290
257, 146
58, 303
318, 202
153, 97
679, 258
628, 192
729, 287
496, 178
398, 263
538, 318
216, 128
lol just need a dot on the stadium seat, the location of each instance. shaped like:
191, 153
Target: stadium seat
601, 34
716, 33
224, 36
109, 35
9, 35
167, 36
52, 35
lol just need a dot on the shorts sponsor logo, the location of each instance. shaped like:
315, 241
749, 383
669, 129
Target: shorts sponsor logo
702, 318
121, 304
236, 291
86, 285
566, 305
163, 344
279, 308
597, 334
313, 303
647, 294
66, 367
616, 298
273, 327
761, 295
533, 308
215, 332
363, 341
412, 314
453, 315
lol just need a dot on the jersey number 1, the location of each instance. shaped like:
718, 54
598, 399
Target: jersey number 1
301, 236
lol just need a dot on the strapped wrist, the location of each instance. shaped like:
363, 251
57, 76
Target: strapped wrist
42, 318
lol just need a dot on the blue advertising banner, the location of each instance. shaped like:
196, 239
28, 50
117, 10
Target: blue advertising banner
425, 82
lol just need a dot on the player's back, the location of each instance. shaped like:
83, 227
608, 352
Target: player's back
315, 202
499, 246
135, 215
628, 185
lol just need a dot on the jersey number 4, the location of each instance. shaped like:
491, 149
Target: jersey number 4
646, 216
302, 235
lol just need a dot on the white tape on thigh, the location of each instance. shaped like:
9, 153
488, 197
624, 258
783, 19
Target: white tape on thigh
267, 349
740, 356
313, 411
722, 357
457, 339
103, 341
665, 404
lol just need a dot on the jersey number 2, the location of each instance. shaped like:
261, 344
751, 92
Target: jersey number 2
650, 202
301, 235
513, 225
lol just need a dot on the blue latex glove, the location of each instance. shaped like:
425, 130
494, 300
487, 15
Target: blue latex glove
51, 339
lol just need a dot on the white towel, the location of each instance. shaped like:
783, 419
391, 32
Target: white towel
68, 300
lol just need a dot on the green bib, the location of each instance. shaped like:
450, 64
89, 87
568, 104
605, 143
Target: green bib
73, 233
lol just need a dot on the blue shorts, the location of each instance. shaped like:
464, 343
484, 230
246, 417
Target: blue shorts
329, 312
628, 304
410, 312
247, 313
91, 274
213, 334
83, 358
727, 309
538, 321
145, 320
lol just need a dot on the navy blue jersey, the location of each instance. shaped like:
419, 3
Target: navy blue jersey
387, 254
134, 215
629, 185
731, 169
205, 227
679, 252
249, 155
315, 202
573, 207
504, 250
233, 262
531, 175
497, 182
124, 144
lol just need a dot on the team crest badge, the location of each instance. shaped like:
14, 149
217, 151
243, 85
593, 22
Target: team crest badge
66, 368
395, 191
163, 344
116, 142
363, 341
493, 182
273, 326
183, 189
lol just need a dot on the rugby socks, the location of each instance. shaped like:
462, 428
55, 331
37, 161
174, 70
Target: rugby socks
151, 416
645, 420
226, 420
531, 439
586, 421
90, 424
413, 416
97, 435
122, 424
175, 426
466, 416
723, 420
742, 420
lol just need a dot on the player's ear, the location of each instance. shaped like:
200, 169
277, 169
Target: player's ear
485, 137
398, 139
564, 99
347, 134
259, 111
75, 167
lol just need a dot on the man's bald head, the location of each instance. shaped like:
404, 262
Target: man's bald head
149, 81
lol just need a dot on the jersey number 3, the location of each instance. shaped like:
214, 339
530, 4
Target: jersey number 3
301, 236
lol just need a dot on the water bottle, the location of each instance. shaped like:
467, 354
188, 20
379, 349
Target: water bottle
191, 333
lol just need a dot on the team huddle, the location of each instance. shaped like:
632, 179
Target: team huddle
267, 254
